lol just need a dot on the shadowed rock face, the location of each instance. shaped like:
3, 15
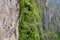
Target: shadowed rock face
52, 15
8, 20
52, 18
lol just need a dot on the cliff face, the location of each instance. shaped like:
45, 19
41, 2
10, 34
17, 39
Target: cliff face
51, 24
52, 19
8, 20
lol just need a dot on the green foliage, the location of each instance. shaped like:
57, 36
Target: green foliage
30, 21
58, 35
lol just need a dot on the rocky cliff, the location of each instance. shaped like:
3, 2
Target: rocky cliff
9, 20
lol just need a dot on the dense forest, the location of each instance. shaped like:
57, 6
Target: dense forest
38, 20
30, 20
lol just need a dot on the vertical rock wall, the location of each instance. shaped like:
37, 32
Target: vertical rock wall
52, 19
8, 20
51, 24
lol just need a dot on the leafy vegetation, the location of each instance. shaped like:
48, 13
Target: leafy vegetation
31, 22
30, 26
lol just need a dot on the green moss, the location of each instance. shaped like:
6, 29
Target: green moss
30, 21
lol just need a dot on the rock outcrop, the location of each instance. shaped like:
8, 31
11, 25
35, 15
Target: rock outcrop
9, 20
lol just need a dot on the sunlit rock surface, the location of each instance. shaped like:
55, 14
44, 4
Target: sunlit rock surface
8, 20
